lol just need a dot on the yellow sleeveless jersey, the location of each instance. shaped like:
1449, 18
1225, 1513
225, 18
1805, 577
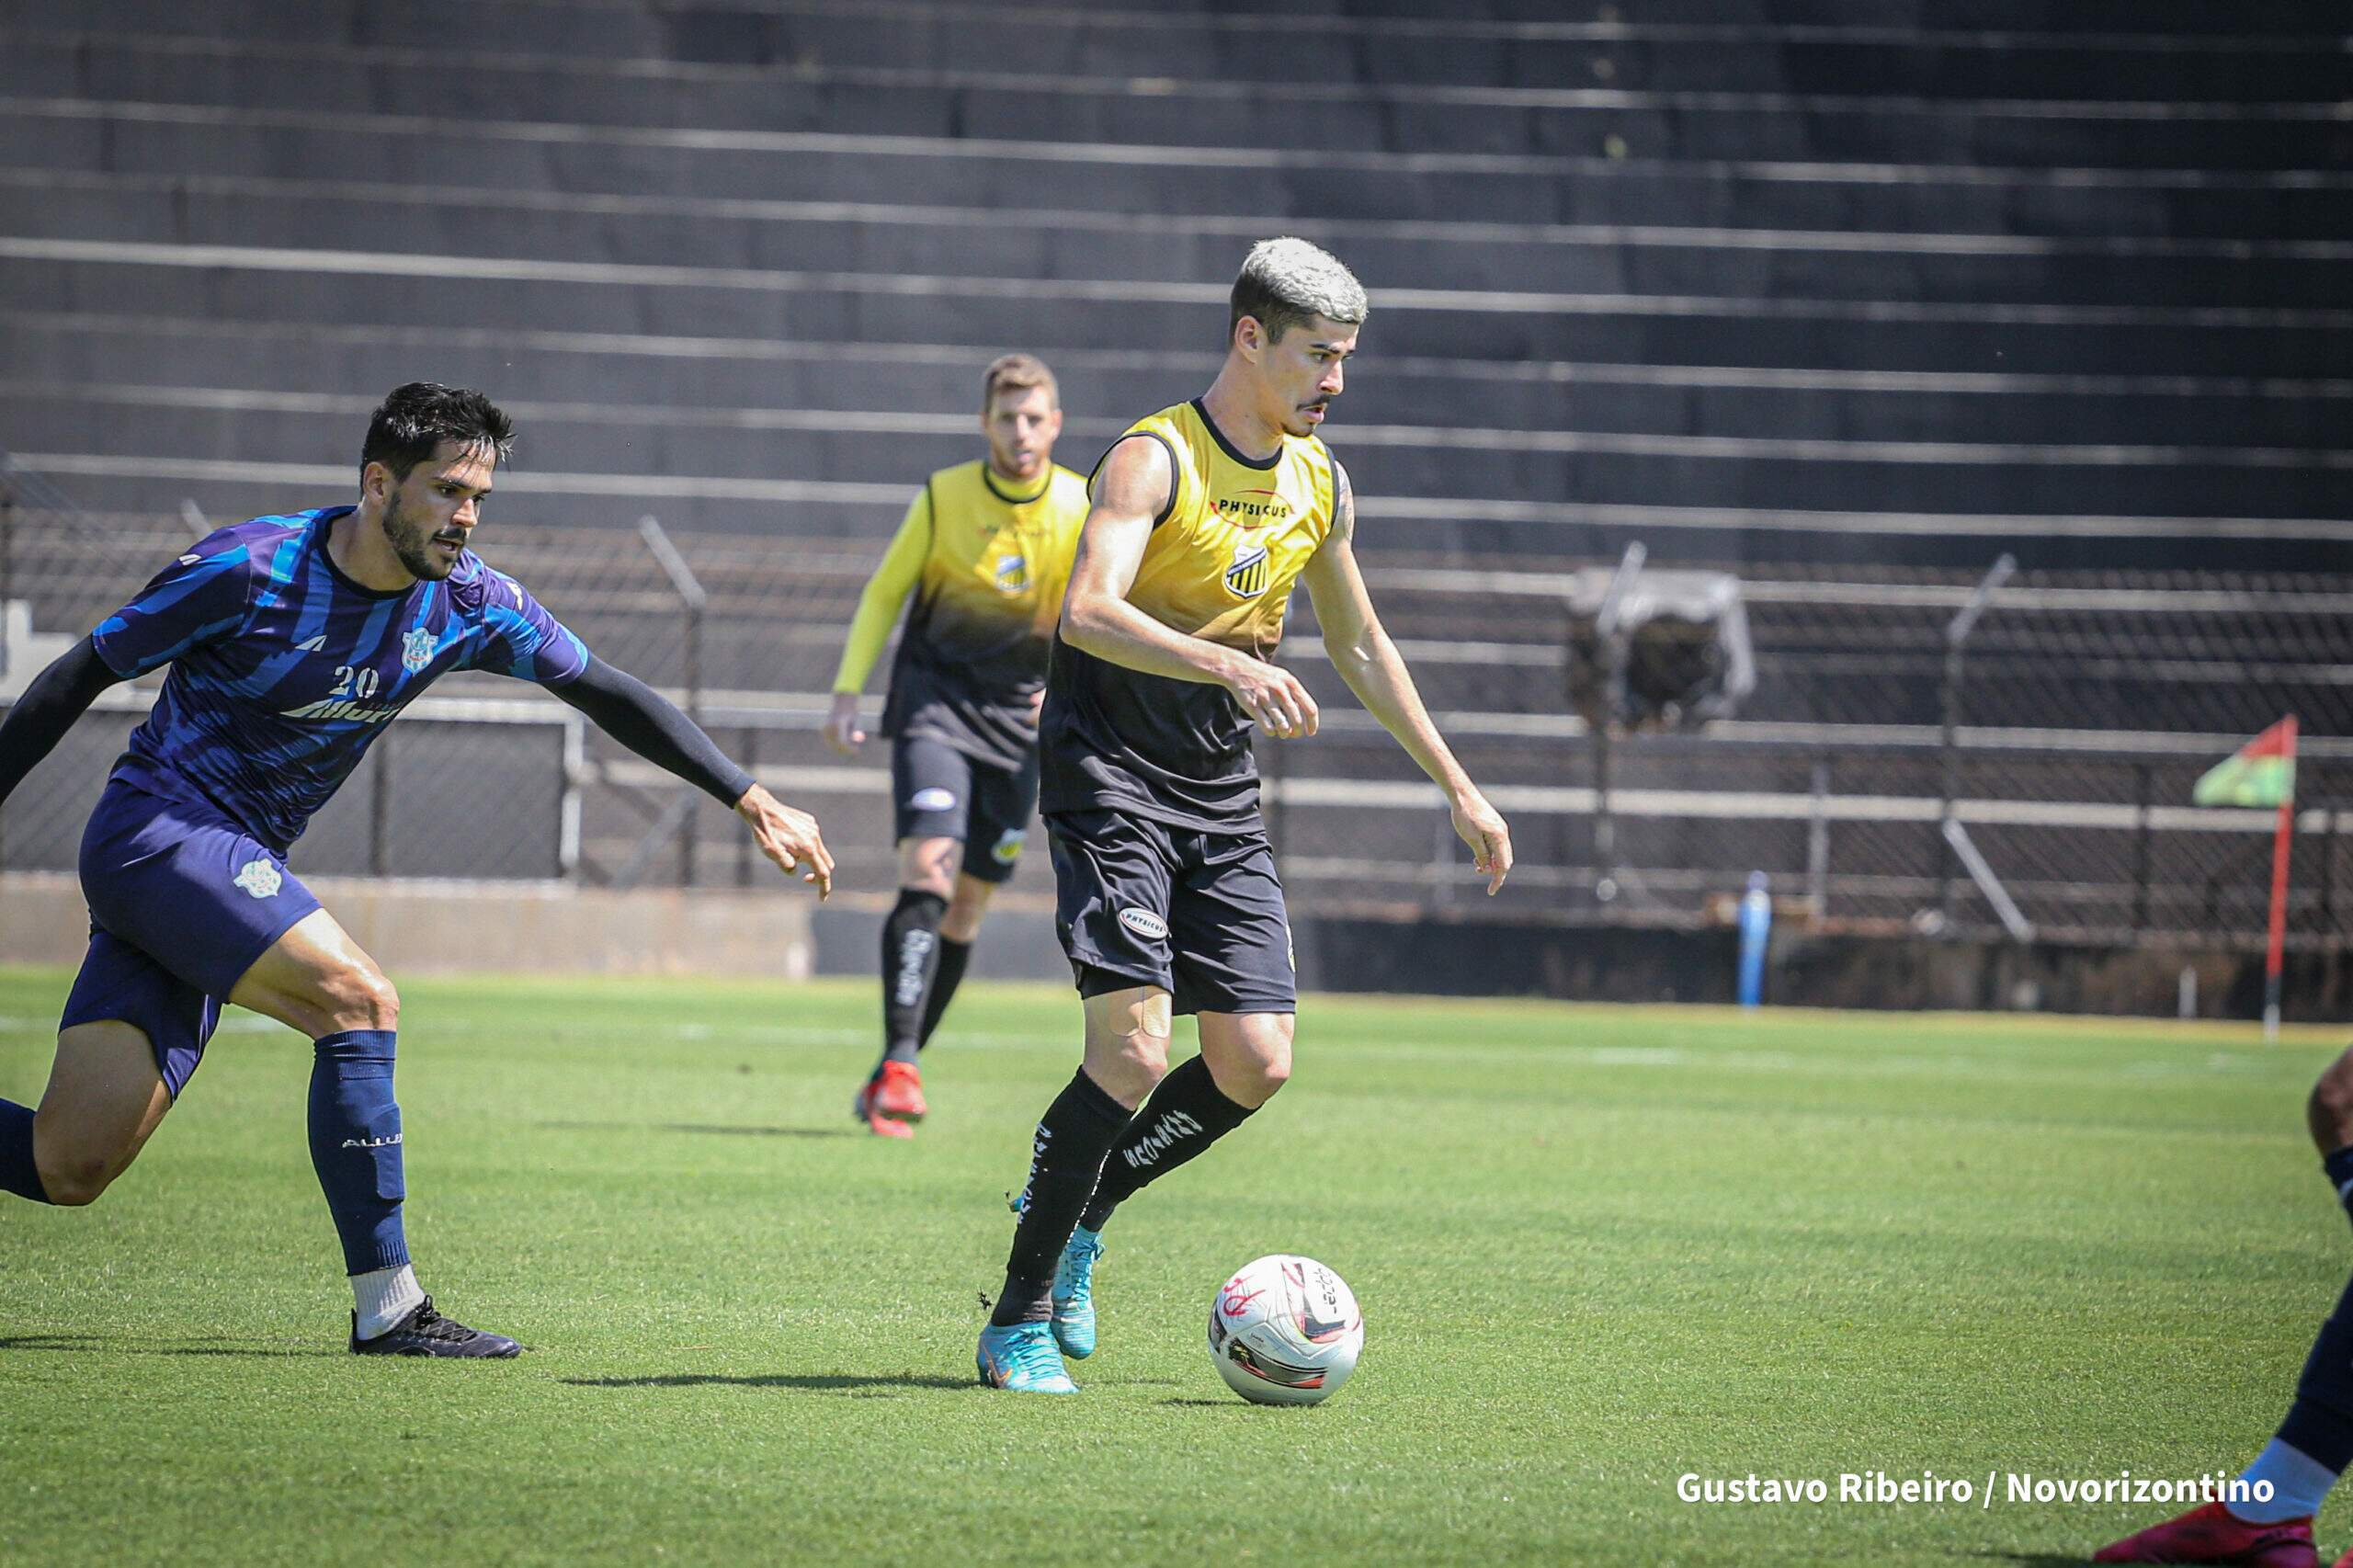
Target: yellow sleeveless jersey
1221, 565
988, 565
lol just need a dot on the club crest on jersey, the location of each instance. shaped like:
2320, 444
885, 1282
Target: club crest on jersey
260, 879
1012, 575
1246, 577
416, 650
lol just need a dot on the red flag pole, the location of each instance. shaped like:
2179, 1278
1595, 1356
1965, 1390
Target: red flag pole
2274, 957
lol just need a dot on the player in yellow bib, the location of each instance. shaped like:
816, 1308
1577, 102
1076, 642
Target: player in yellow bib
1204, 517
984, 552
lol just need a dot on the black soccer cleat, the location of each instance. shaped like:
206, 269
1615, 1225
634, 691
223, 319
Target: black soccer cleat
427, 1332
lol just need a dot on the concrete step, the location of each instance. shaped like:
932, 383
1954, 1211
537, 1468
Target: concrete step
1102, 387
312, 143
1862, 120
1389, 464
418, 219
289, 286
831, 519
1432, 46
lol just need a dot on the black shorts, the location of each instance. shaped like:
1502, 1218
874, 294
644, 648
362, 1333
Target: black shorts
939, 793
1199, 915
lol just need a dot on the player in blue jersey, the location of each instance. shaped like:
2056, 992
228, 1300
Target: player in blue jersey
292, 641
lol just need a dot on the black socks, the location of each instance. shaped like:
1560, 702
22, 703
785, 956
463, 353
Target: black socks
910, 959
1078, 1131
953, 956
1185, 1115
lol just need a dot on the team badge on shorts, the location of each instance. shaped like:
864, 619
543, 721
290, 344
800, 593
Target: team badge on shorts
932, 799
1144, 923
1246, 579
416, 650
260, 879
1007, 848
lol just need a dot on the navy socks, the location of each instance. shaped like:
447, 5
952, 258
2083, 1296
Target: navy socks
2338, 1167
17, 1172
356, 1146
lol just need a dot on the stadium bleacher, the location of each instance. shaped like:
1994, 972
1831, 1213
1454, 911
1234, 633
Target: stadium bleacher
1848, 300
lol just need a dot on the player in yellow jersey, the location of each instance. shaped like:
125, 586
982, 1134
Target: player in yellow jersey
985, 552
1204, 516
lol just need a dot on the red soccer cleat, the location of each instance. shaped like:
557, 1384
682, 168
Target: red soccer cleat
2211, 1533
881, 1126
898, 1094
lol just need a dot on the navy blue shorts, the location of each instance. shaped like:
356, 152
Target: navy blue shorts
182, 902
1198, 915
939, 793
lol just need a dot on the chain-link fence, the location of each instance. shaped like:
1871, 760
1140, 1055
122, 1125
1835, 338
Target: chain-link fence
2063, 747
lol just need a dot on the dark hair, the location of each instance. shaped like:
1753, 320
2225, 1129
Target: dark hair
415, 419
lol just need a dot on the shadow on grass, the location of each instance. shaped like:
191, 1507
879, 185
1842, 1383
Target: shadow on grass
808, 1382
123, 1345
699, 1127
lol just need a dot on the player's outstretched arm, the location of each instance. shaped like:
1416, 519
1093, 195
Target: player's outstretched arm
1376, 671
877, 610
39, 720
1131, 495
651, 725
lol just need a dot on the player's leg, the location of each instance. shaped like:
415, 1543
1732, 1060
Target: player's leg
316, 979
2315, 1443
109, 1083
104, 1100
1003, 802
959, 929
1113, 874
931, 798
1234, 967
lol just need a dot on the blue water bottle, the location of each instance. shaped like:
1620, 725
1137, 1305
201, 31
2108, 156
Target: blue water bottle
1756, 925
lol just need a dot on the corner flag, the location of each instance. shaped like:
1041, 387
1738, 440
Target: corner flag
2262, 774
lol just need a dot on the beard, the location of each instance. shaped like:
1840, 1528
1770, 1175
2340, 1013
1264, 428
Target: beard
412, 540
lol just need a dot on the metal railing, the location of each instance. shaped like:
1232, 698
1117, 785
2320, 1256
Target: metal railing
1932, 825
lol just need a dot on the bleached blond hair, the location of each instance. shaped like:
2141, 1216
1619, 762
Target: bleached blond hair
1286, 280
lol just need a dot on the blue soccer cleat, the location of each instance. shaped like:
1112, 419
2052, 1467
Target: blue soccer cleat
1021, 1357
1074, 1294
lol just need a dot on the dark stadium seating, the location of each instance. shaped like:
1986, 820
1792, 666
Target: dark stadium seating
1847, 295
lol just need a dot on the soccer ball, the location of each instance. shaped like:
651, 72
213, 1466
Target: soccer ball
1285, 1330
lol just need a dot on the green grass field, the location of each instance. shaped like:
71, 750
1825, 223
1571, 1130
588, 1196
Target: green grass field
1596, 1247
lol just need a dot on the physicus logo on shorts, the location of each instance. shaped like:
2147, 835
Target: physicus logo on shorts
1144, 923
933, 799
260, 879
416, 650
1246, 579
1007, 848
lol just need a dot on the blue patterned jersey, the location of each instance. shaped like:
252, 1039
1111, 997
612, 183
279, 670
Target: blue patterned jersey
283, 669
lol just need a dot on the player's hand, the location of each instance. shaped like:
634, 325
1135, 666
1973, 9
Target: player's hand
1273, 697
788, 836
1037, 707
841, 731
1482, 827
